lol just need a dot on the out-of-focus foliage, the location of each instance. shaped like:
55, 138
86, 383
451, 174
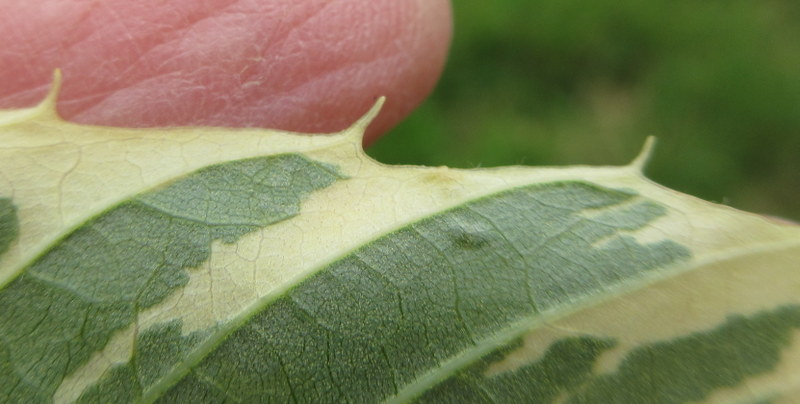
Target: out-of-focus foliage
566, 82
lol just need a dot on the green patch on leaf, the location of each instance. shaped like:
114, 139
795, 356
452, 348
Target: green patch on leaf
9, 226
157, 349
691, 367
566, 366
684, 369
375, 322
66, 305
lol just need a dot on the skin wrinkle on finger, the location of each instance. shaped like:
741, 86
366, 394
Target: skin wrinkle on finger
97, 38
147, 48
278, 94
257, 56
206, 46
294, 45
290, 103
325, 81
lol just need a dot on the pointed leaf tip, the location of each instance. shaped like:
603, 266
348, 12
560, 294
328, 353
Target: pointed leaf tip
359, 127
641, 160
48, 105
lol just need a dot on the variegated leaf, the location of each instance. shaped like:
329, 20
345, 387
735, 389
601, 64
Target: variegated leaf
212, 265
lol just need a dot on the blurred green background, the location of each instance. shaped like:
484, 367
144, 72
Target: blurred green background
557, 82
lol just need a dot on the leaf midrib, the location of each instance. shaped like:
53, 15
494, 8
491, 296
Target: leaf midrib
47, 244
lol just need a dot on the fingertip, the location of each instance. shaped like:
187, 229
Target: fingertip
300, 66
427, 42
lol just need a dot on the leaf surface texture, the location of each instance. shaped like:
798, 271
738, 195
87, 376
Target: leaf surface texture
218, 265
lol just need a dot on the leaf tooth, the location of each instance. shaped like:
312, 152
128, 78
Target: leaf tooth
47, 107
359, 127
640, 162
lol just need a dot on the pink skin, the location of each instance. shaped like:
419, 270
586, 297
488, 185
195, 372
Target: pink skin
309, 66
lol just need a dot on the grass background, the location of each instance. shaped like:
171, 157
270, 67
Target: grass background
557, 82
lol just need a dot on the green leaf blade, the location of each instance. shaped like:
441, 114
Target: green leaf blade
9, 224
685, 369
378, 323
68, 303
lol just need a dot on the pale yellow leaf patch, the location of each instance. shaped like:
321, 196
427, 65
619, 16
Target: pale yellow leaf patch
693, 299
